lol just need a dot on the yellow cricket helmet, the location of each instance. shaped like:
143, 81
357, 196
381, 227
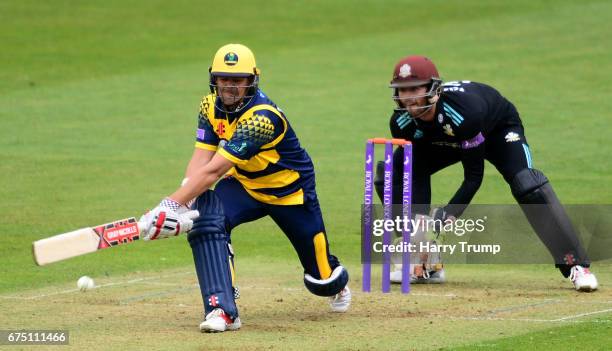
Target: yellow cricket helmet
234, 60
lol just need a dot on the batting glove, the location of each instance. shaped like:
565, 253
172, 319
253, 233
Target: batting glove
169, 218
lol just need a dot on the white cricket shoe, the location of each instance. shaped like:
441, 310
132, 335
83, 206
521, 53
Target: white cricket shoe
217, 321
341, 301
431, 277
583, 279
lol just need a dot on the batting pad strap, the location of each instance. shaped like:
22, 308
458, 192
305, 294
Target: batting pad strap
209, 223
330, 286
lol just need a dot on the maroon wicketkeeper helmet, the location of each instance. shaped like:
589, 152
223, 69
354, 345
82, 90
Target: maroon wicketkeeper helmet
415, 70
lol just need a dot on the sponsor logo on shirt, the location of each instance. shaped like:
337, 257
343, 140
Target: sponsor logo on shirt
474, 142
445, 143
200, 134
511, 137
238, 149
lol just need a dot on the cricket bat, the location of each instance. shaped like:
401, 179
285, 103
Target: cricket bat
86, 240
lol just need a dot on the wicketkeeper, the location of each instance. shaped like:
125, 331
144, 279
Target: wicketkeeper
245, 142
471, 122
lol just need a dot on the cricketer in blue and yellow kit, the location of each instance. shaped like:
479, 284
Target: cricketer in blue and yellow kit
265, 172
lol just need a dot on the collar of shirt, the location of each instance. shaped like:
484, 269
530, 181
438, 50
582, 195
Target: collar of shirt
232, 116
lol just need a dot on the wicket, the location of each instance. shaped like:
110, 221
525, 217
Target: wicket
387, 206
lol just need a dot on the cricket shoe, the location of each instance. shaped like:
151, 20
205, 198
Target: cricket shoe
583, 279
422, 276
341, 301
217, 321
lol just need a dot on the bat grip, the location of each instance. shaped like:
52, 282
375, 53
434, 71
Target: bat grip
141, 227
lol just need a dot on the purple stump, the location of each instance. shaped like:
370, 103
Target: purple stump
406, 212
388, 214
367, 217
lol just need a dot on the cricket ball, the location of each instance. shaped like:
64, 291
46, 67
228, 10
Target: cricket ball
85, 283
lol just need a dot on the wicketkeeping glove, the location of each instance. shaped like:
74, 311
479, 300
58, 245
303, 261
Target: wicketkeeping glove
169, 218
441, 217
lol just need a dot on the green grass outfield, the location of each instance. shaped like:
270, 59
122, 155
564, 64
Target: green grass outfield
98, 107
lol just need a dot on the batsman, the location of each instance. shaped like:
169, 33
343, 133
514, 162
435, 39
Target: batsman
471, 122
245, 144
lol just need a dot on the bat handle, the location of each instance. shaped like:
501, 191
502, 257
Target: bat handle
141, 227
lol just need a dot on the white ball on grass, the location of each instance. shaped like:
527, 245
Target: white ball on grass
85, 283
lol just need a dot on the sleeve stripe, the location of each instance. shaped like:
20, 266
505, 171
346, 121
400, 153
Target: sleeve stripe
204, 146
231, 157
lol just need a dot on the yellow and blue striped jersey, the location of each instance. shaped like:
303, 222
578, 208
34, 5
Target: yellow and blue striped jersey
258, 139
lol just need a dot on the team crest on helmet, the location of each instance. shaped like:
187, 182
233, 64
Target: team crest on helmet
405, 70
230, 59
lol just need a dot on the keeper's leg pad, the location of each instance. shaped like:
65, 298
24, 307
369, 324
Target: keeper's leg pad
209, 244
330, 286
548, 218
